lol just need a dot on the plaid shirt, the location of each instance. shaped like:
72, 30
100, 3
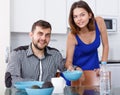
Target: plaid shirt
25, 66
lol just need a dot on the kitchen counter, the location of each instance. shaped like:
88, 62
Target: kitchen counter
14, 91
113, 62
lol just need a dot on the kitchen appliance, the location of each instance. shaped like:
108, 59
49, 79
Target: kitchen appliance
111, 24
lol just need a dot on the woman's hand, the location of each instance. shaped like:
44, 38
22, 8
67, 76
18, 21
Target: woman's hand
70, 68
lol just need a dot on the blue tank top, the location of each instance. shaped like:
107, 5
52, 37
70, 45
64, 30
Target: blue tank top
86, 55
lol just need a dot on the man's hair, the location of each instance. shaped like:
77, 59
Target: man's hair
41, 23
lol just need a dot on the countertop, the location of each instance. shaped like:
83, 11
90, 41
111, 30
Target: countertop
113, 62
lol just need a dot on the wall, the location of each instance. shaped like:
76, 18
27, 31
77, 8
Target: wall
59, 41
4, 39
19, 39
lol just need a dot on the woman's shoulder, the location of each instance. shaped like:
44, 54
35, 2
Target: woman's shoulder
71, 38
71, 35
99, 20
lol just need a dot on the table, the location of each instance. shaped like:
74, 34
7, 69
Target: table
68, 90
88, 90
14, 91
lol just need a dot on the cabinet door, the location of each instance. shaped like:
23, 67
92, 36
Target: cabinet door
115, 76
24, 13
91, 3
69, 4
107, 7
55, 13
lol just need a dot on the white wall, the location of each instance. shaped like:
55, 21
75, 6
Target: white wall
19, 39
4, 39
59, 41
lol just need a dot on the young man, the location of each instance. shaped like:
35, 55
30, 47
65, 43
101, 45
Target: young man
36, 61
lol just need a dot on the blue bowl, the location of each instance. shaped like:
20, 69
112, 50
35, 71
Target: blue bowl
72, 75
42, 91
26, 84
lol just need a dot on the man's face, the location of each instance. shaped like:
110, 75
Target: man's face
40, 37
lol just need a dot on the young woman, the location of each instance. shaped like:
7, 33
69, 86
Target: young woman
87, 32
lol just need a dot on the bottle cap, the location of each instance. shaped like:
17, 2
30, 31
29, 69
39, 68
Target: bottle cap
103, 62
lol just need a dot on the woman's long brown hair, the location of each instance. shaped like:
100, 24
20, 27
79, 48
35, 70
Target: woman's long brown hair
81, 4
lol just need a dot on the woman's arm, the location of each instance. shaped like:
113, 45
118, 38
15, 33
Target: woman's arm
71, 42
104, 38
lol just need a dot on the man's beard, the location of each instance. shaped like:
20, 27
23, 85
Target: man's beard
36, 46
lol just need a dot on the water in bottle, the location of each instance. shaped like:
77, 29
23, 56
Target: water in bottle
104, 79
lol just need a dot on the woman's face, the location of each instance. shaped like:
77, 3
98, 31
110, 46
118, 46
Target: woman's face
81, 17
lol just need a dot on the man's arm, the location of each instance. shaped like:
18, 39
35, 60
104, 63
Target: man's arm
60, 62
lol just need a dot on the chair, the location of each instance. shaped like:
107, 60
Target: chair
91, 78
8, 79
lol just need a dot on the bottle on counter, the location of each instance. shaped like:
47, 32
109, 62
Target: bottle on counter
104, 79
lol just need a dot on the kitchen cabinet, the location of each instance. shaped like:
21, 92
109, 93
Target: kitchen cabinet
69, 4
55, 13
115, 76
91, 3
25, 12
107, 7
